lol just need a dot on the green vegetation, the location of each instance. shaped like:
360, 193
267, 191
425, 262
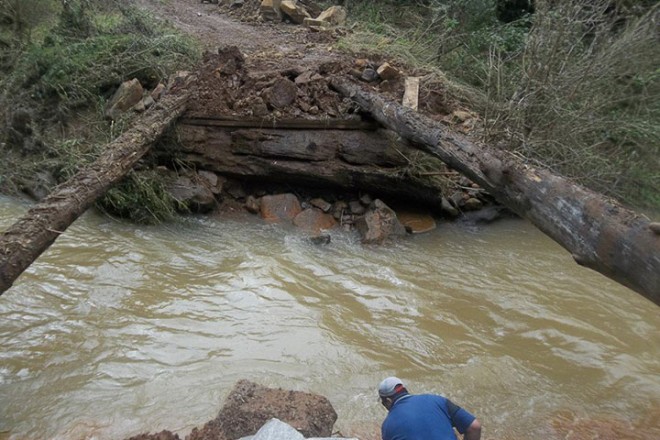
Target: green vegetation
571, 85
59, 63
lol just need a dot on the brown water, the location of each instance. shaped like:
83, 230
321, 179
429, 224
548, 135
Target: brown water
120, 329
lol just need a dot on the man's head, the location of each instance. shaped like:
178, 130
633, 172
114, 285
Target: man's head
389, 390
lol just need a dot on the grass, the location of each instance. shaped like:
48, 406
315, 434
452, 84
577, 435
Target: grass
62, 72
574, 87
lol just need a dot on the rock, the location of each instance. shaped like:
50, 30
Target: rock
252, 204
448, 208
366, 199
270, 10
318, 240
126, 97
294, 11
416, 222
379, 223
314, 23
211, 179
280, 207
163, 435
473, 204
249, 406
335, 15
313, 220
276, 429
387, 72
148, 101
178, 79
356, 207
456, 198
339, 208
655, 227
236, 4
283, 93
321, 204
230, 59
157, 92
369, 75
194, 195
485, 215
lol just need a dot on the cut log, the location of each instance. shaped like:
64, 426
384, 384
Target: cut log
373, 161
32, 234
411, 93
598, 232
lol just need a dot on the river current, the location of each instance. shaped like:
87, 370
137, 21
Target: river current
120, 329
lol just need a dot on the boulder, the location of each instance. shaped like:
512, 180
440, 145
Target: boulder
249, 406
270, 10
252, 204
280, 207
276, 429
212, 180
283, 93
191, 192
294, 11
314, 221
387, 72
473, 204
416, 222
315, 23
379, 223
126, 97
335, 15
356, 207
321, 204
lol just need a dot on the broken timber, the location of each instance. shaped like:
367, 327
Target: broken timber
32, 234
600, 234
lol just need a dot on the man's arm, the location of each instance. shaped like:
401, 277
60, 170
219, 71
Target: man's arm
474, 431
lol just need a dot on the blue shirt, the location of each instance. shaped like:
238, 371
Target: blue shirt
425, 417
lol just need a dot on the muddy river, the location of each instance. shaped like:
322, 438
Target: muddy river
120, 329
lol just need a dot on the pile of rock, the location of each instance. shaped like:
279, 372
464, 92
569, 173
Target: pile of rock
300, 13
252, 411
373, 219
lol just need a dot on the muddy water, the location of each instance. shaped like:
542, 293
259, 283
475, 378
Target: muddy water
121, 329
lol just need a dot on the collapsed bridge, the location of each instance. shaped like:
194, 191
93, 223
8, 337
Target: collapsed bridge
245, 125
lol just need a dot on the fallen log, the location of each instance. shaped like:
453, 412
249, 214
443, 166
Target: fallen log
32, 234
600, 233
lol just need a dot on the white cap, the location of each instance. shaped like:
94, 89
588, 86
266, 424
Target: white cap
388, 386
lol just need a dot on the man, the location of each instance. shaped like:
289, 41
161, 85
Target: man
423, 416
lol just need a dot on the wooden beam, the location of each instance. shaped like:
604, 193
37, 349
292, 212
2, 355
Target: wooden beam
285, 123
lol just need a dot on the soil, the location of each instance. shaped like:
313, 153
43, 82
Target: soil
273, 51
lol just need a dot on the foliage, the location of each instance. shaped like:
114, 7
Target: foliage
141, 197
570, 85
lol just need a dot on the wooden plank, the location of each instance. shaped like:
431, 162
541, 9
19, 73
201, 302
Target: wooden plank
411, 93
292, 124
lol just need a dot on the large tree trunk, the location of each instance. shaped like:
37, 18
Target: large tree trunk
32, 234
349, 159
600, 233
